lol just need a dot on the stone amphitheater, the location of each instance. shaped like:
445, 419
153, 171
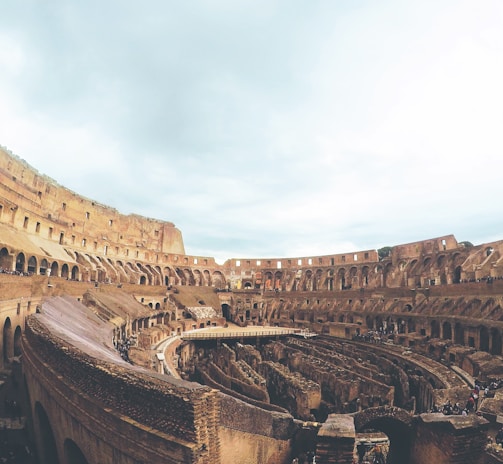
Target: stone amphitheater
117, 347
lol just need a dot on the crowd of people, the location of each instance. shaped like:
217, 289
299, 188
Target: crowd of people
472, 403
17, 273
123, 348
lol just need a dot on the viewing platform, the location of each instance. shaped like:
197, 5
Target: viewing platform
216, 333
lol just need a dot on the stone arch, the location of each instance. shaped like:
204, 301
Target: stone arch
158, 275
365, 276
181, 276
395, 422
457, 275
75, 273
65, 271
278, 277
308, 280
330, 280
218, 280
20, 262
341, 279
5, 259
198, 278
17, 341
434, 329
226, 311
55, 269
169, 276
43, 267
388, 270
353, 277
446, 331
32, 265
189, 277
378, 271
441, 264
207, 278
73, 454
146, 276
496, 342
7, 341
48, 452
484, 339
459, 334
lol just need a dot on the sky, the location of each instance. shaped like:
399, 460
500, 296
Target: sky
265, 128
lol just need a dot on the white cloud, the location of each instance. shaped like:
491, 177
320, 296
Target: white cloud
266, 128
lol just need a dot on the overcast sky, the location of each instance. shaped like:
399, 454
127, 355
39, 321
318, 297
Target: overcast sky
265, 128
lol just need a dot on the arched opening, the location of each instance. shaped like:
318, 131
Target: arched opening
75, 273
32, 265
226, 311
484, 339
341, 277
446, 331
17, 341
55, 269
43, 267
398, 432
65, 272
48, 452
8, 344
143, 280
73, 454
496, 341
459, 334
435, 329
457, 275
5, 259
20, 262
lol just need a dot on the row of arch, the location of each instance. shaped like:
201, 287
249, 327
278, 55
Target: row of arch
357, 277
47, 446
98, 269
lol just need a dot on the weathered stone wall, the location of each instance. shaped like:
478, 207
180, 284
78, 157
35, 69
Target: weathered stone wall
179, 416
291, 390
258, 436
449, 439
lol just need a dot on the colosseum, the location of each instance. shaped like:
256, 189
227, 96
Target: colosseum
118, 347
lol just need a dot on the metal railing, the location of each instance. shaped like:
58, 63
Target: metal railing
238, 334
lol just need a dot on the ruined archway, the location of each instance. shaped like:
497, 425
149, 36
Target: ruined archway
434, 329
75, 273
496, 341
8, 342
5, 259
446, 331
43, 267
17, 341
55, 269
20, 262
395, 422
73, 454
65, 271
32, 265
459, 334
484, 339
46, 442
